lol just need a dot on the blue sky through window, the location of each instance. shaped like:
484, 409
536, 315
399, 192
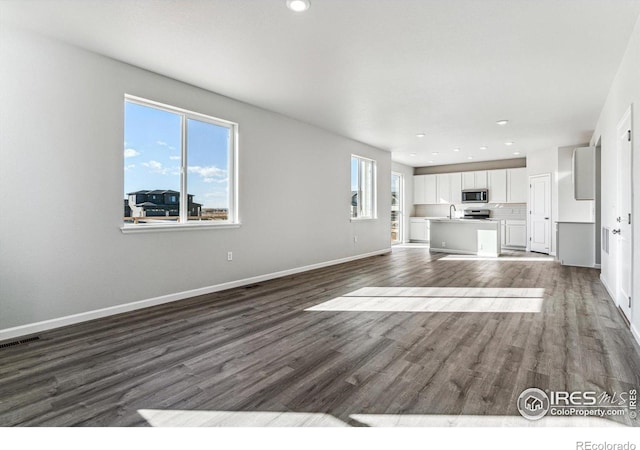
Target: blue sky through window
354, 174
152, 155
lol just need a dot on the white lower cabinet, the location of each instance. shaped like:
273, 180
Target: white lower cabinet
419, 230
515, 233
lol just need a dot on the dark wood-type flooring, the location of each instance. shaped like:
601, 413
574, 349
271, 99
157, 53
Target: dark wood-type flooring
256, 349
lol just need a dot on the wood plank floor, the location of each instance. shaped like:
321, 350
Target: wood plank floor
259, 355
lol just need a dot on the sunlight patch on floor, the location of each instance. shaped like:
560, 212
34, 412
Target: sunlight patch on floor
197, 418
497, 258
437, 299
436, 420
194, 418
506, 292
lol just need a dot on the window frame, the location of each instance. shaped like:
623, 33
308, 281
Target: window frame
232, 171
374, 188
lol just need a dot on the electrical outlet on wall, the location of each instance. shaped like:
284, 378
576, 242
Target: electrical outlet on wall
444, 244
229, 256
355, 239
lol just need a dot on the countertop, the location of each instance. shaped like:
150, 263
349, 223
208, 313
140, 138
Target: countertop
427, 217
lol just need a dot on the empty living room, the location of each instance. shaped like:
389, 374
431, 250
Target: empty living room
307, 217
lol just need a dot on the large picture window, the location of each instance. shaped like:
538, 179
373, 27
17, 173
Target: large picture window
179, 166
363, 188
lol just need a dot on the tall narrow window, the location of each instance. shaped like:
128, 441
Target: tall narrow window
363, 188
179, 166
397, 200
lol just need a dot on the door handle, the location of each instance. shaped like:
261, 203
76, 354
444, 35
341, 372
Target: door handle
546, 218
615, 231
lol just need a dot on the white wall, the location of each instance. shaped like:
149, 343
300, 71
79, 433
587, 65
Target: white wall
407, 173
570, 209
624, 91
61, 174
538, 163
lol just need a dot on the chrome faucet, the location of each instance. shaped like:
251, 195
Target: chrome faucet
450, 213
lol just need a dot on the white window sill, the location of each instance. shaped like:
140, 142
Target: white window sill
363, 219
152, 228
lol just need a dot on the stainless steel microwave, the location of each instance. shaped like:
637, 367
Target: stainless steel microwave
475, 196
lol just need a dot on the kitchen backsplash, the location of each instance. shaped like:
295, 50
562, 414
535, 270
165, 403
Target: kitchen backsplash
510, 211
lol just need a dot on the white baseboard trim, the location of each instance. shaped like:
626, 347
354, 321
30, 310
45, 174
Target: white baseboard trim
635, 333
606, 286
37, 327
597, 266
634, 330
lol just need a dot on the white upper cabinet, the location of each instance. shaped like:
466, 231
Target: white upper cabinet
455, 183
468, 180
504, 185
430, 187
449, 188
517, 185
474, 180
481, 179
424, 189
444, 188
497, 186
418, 190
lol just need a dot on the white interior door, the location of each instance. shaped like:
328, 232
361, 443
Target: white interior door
622, 227
540, 213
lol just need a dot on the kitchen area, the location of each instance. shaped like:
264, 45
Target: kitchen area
474, 212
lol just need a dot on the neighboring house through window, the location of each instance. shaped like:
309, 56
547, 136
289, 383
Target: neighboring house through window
179, 165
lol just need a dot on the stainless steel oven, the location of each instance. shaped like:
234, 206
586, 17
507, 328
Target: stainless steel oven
475, 196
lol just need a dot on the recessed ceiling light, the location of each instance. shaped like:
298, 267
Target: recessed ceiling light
456, 149
516, 153
502, 122
430, 162
508, 143
469, 157
412, 154
484, 147
420, 135
434, 153
298, 5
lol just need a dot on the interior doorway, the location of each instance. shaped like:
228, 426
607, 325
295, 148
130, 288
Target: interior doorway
397, 202
622, 227
540, 213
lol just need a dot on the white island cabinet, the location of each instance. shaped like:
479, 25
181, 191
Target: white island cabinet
419, 229
466, 236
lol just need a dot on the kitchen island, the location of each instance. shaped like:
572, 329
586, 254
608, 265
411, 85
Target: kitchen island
466, 236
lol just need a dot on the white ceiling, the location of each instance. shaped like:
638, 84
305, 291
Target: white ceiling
378, 71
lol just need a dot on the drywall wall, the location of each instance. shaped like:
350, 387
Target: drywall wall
624, 92
61, 248
538, 163
407, 173
570, 209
